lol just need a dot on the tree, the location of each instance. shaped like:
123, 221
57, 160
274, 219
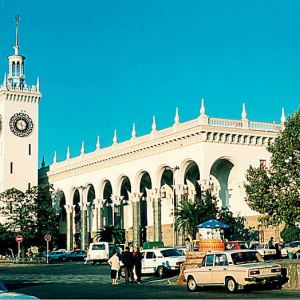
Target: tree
290, 233
189, 214
274, 192
29, 214
111, 233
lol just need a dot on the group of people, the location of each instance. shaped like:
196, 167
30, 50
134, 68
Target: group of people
132, 261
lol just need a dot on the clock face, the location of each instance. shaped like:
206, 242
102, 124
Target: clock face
21, 124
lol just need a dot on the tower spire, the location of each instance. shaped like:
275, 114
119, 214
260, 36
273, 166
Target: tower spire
16, 47
16, 77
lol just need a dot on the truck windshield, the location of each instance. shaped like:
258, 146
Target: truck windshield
239, 258
170, 252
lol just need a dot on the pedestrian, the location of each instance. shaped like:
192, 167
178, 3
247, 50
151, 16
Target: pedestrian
127, 259
137, 261
115, 267
189, 245
271, 244
130, 247
119, 251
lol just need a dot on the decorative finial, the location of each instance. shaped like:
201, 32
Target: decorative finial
55, 158
16, 47
68, 153
244, 114
115, 139
202, 110
283, 118
154, 127
98, 145
133, 133
82, 151
43, 162
176, 119
5, 81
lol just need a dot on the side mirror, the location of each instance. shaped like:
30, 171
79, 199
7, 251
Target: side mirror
199, 266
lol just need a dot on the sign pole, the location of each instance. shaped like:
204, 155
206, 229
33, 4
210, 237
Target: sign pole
47, 252
47, 239
19, 250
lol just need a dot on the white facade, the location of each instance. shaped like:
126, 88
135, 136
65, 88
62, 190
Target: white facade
132, 185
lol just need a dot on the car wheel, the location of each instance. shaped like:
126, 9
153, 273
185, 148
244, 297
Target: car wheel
122, 271
63, 259
231, 285
161, 271
93, 262
192, 284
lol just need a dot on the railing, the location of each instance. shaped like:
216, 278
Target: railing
259, 126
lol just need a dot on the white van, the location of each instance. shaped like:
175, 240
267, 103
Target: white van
100, 252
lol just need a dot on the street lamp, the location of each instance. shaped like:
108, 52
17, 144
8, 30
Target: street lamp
82, 215
173, 200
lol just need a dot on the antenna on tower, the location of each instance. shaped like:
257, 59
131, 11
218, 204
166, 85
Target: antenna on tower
17, 35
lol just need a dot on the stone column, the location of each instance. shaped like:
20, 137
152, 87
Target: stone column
98, 213
83, 235
135, 198
117, 204
179, 196
70, 221
157, 214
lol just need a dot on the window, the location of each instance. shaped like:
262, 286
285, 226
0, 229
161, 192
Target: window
11, 168
221, 260
209, 260
150, 255
98, 247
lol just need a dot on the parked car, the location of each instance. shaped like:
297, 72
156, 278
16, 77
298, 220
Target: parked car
77, 255
5, 294
56, 255
100, 252
235, 245
264, 251
233, 269
290, 249
159, 261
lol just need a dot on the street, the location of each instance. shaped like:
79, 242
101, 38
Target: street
75, 280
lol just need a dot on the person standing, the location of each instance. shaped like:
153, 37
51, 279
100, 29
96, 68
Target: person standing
127, 259
189, 245
271, 243
115, 267
137, 261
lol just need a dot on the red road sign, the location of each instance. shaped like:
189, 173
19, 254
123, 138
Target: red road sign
47, 237
19, 239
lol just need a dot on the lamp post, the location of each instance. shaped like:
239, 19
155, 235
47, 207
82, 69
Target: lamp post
174, 200
83, 217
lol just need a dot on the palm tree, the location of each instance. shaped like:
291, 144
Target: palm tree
111, 233
190, 214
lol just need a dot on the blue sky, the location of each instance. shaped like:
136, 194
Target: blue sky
104, 65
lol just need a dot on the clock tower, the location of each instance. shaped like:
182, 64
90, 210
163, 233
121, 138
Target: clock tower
19, 126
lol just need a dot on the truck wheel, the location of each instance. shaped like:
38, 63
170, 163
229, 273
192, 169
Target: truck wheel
231, 285
191, 284
161, 271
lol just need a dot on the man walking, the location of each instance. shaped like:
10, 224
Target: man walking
127, 259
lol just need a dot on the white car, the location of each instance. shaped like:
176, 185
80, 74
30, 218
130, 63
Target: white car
6, 295
159, 261
264, 251
233, 269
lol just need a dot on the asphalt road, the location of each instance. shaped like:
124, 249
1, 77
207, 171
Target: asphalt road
75, 280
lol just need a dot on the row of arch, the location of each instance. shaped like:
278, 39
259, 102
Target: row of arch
222, 173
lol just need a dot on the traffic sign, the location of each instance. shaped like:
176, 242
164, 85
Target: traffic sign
19, 239
47, 237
